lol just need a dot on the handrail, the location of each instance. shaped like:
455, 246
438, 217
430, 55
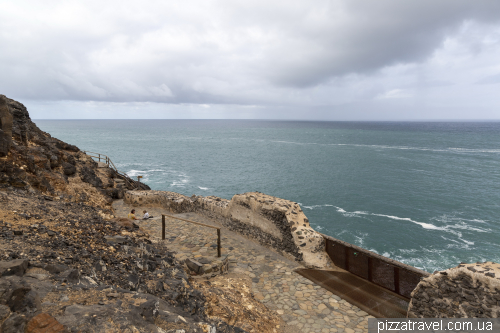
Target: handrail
385, 272
110, 163
202, 224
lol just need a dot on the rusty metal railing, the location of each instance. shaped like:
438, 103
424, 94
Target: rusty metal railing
202, 224
390, 274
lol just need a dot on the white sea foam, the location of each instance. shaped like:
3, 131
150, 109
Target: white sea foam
449, 228
135, 173
180, 183
449, 149
203, 188
466, 241
351, 214
360, 239
316, 206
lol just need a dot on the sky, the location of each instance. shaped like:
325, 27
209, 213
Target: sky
232, 59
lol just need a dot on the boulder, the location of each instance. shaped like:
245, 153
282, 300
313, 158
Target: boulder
24, 300
69, 158
194, 265
88, 175
13, 267
4, 312
68, 168
54, 161
44, 323
65, 146
14, 324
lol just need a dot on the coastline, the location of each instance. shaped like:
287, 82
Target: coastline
71, 259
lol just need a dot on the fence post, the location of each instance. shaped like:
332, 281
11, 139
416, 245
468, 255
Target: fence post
163, 227
218, 243
396, 280
370, 269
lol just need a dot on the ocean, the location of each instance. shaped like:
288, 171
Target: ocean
423, 193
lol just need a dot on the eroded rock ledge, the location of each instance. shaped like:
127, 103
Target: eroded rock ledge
272, 221
465, 291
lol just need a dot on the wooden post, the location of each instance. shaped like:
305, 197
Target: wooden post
370, 269
163, 227
396, 279
347, 249
218, 243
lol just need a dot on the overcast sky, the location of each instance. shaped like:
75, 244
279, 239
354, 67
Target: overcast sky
331, 60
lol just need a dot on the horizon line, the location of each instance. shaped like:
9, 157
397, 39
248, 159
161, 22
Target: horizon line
259, 119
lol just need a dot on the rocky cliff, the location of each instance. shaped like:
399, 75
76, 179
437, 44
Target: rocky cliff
67, 266
34, 161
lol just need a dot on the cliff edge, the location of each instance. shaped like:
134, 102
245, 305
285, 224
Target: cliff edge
33, 160
66, 265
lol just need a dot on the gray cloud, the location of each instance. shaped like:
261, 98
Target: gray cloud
490, 79
244, 53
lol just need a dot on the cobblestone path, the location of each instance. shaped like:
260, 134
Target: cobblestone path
303, 305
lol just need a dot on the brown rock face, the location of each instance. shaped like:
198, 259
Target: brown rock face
33, 160
44, 323
5, 127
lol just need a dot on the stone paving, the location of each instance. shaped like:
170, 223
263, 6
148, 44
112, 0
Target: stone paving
303, 305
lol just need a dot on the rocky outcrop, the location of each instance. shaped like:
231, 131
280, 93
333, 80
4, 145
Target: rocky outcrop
63, 265
32, 160
466, 291
278, 223
5, 127
66, 265
46, 298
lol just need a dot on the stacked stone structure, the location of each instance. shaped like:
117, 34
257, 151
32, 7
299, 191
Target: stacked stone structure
272, 221
466, 291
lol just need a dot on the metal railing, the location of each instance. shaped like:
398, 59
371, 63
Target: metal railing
202, 224
107, 160
390, 274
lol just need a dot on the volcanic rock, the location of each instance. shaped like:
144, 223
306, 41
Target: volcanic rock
14, 267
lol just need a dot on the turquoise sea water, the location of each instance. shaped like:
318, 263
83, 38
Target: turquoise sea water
426, 194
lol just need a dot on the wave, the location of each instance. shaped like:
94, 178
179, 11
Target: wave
455, 229
203, 188
135, 173
180, 183
315, 206
449, 149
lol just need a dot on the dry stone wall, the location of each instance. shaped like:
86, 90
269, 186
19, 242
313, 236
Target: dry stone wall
466, 291
272, 221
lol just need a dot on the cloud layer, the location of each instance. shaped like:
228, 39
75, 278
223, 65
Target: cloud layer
376, 55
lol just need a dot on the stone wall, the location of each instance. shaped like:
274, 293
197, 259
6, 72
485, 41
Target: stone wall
271, 221
466, 291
